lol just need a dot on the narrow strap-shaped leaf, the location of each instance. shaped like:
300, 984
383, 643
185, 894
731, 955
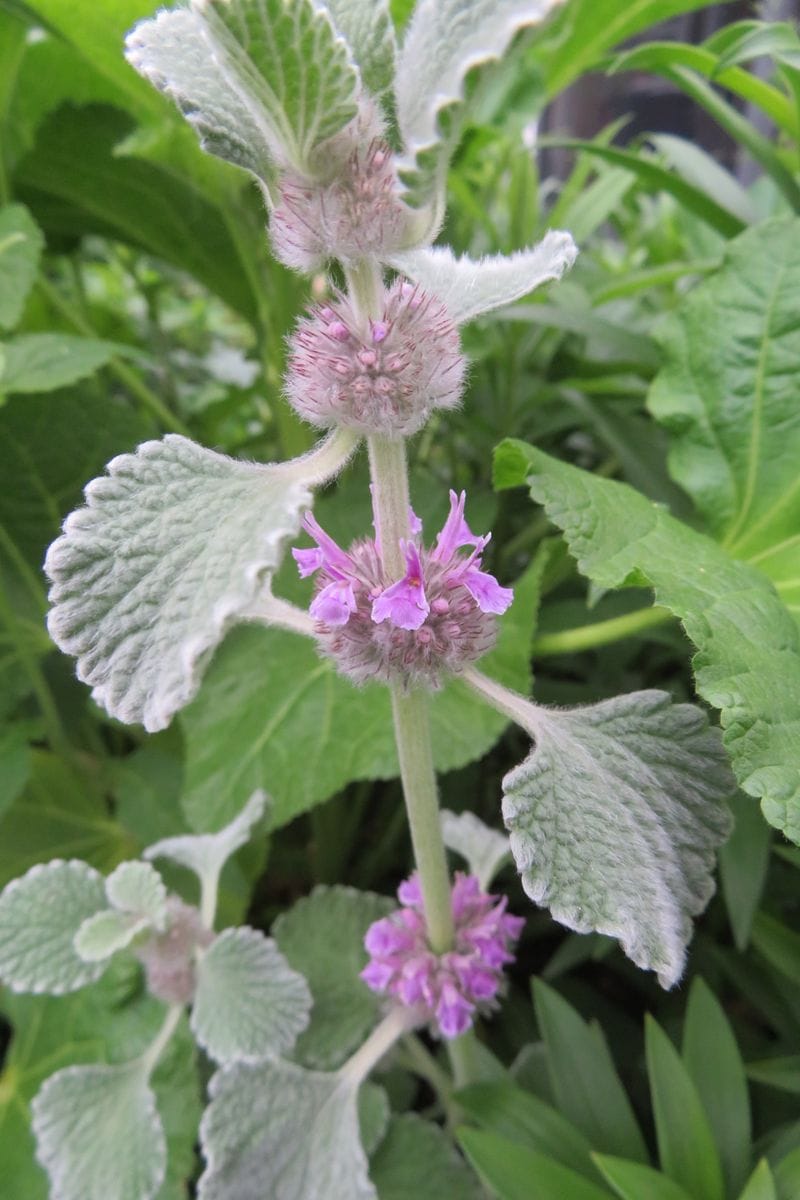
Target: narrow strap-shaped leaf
633, 1181
516, 1173
21, 244
761, 1184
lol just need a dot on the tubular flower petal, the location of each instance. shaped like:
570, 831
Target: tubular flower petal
452, 987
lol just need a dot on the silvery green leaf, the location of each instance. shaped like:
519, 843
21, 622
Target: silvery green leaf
469, 287
21, 244
445, 39
484, 849
105, 933
40, 913
274, 1129
98, 1134
249, 1003
172, 548
615, 818
207, 853
137, 888
259, 80
368, 29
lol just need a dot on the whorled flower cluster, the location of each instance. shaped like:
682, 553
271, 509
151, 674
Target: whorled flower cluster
449, 988
168, 958
431, 623
351, 210
385, 375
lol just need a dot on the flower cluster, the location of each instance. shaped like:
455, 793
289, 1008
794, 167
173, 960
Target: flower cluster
353, 211
168, 958
434, 621
449, 987
379, 376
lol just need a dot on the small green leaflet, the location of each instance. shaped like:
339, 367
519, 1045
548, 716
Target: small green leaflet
728, 395
484, 850
249, 1003
274, 1129
748, 661
173, 547
444, 41
98, 1133
42, 362
261, 81
207, 853
138, 902
469, 287
615, 817
40, 913
21, 244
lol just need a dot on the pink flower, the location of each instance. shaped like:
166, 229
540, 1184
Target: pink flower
449, 988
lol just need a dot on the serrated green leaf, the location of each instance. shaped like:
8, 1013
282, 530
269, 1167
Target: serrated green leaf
417, 1159
138, 889
469, 287
585, 1083
39, 917
761, 1185
516, 1173
173, 547
322, 937
259, 81
685, 1144
444, 41
484, 850
368, 29
633, 1181
21, 244
42, 362
274, 1129
727, 395
615, 818
249, 1003
715, 1065
105, 933
748, 663
98, 1133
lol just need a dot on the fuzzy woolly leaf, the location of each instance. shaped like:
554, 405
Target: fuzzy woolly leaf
99, 1135
249, 1003
40, 913
615, 818
368, 29
484, 849
259, 80
105, 933
21, 244
444, 41
273, 1129
748, 664
469, 287
135, 887
322, 936
172, 548
42, 362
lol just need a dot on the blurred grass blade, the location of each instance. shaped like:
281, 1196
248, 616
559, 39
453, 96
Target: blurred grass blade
779, 945
515, 1173
782, 1073
698, 168
760, 1185
743, 864
632, 1181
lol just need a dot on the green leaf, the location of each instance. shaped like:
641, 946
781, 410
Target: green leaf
15, 760
632, 1181
748, 663
322, 937
39, 917
512, 1113
274, 1129
787, 1176
712, 1058
743, 866
259, 82
517, 1173
783, 1073
21, 244
42, 362
753, 39
105, 933
368, 29
685, 1143
615, 818
761, 1185
99, 1133
779, 945
417, 1159
444, 41
249, 1004
484, 850
727, 395
173, 547
585, 1083
138, 889
469, 287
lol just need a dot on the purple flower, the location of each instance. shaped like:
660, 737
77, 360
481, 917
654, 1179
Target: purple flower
447, 988
434, 621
